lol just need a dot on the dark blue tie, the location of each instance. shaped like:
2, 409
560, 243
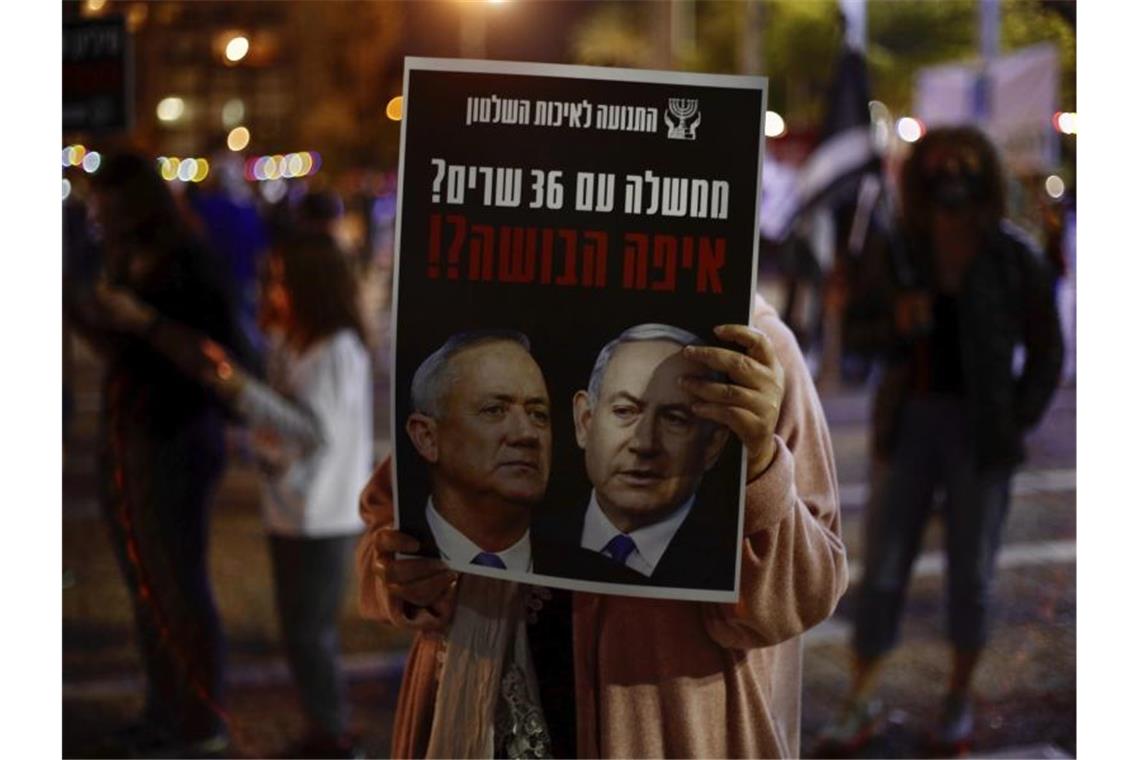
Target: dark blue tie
487, 559
619, 548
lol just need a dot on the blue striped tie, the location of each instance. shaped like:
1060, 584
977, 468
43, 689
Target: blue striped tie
487, 559
619, 548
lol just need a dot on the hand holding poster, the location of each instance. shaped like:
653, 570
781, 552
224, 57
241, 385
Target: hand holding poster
563, 233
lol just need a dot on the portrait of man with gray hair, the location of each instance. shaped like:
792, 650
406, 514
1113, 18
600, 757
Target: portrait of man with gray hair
647, 450
481, 422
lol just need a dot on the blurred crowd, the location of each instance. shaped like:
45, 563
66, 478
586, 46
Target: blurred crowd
212, 312
214, 309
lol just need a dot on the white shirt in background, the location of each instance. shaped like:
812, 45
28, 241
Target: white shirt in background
318, 492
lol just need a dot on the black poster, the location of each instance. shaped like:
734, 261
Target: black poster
547, 212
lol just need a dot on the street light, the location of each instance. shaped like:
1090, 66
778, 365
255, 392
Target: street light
237, 48
1054, 186
774, 125
395, 109
237, 139
1065, 122
170, 109
910, 129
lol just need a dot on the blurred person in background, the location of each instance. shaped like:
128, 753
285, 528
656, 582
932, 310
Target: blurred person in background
162, 449
227, 213
319, 211
949, 414
313, 437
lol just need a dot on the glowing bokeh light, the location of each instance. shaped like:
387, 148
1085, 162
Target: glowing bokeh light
170, 169
293, 165
92, 161
774, 125
274, 190
73, 155
187, 169
237, 139
201, 170
170, 109
1054, 186
233, 112
66, 188
282, 166
306, 163
1067, 123
910, 129
395, 108
136, 16
236, 48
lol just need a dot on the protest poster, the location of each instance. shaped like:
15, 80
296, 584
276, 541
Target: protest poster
569, 204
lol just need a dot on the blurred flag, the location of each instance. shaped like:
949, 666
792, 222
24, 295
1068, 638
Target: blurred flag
834, 171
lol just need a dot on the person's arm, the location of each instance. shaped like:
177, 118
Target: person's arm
207, 362
794, 565
1044, 347
416, 593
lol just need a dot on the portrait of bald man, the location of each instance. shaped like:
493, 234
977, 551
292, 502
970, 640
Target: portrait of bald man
646, 453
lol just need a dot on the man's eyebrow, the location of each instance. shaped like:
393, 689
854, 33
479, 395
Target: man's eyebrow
508, 398
627, 396
680, 406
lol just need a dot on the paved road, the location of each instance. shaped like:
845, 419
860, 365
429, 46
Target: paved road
1027, 682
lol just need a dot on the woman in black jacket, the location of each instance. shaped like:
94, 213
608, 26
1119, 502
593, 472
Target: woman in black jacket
969, 300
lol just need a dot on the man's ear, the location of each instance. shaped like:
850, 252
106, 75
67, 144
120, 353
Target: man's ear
422, 430
583, 414
717, 439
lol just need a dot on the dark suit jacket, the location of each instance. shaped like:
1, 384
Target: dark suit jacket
566, 560
702, 554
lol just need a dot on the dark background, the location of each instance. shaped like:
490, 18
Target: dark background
567, 325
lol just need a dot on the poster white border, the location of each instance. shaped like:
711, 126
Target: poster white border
566, 71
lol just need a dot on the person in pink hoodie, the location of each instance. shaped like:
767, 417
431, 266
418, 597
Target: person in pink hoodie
632, 677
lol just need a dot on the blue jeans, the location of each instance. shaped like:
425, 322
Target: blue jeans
933, 451
310, 575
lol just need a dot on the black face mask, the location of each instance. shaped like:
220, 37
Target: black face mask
951, 194
953, 190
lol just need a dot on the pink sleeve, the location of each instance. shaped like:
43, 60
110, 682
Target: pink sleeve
376, 509
793, 566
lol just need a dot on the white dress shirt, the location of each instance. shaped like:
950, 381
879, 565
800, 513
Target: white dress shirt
651, 540
317, 494
458, 550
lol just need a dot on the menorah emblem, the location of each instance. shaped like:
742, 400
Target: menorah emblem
683, 118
